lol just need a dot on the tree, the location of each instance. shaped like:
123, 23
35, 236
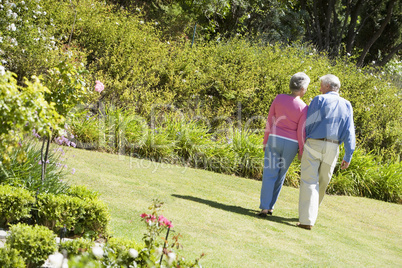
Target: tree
371, 29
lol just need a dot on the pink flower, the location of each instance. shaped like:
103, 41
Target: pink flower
144, 215
163, 221
99, 87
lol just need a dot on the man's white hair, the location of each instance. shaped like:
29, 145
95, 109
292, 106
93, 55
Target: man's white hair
332, 81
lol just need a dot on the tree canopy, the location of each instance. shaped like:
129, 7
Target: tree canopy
370, 31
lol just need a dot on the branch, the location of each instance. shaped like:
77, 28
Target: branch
377, 34
387, 58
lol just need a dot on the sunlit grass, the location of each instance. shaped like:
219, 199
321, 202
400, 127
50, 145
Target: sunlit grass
215, 214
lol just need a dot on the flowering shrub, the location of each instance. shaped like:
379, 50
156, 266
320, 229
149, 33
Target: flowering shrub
99, 87
27, 42
156, 247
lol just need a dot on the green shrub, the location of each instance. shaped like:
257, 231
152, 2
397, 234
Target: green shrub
15, 204
250, 154
88, 216
82, 192
86, 130
35, 243
28, 48
76, 246
389, 182
358, 179
293, 175
10, 258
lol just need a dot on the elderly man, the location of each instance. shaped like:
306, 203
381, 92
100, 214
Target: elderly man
329, 123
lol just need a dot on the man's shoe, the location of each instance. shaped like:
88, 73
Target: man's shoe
307, 227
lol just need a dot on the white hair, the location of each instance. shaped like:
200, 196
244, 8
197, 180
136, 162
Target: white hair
298, 81
332, 81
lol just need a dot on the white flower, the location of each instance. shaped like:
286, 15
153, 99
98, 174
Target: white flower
2, 70
1, 39
133, 253
97, 251
14, 41
141, 21
56, 259
172, 257
11, 27
159, 251
22, 2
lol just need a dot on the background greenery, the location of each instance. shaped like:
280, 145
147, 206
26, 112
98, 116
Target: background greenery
201, 104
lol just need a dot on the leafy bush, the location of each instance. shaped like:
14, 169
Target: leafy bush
15, 204
35, 243
389, 182
76, 246
10, 258
88, 217
248, 148
368, 177
23, 109
86, 130
82, 192
28, 45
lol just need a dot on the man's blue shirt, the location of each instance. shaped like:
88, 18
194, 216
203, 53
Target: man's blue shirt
330, 116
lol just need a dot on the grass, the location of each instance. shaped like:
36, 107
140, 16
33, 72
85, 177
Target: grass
215, 214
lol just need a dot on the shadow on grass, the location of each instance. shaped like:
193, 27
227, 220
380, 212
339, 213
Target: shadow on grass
237, 209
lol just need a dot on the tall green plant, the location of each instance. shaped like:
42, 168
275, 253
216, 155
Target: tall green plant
27, 174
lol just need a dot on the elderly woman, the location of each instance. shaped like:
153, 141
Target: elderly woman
284, 136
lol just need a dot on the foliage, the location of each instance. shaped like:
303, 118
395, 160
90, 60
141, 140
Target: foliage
35, 243
10, 258
15, 204
76, 246
84, 217
248, 147
68, 85
82, 192
23, 109
27, 174
367, 176
27, 44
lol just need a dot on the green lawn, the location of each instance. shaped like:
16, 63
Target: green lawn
215, 214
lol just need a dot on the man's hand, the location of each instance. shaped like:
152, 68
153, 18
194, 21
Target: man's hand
344, 164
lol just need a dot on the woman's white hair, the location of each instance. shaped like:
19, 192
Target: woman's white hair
299, 81
332, 81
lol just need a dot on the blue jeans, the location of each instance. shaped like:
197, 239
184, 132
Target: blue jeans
279, 154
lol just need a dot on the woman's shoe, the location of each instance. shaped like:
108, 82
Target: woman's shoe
264, 213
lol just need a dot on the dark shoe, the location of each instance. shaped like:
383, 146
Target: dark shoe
263, 214
307, 227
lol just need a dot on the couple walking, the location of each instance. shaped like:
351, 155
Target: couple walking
316, 131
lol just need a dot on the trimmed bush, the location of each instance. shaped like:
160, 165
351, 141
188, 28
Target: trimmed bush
35, 243
10, 258
76, 246
15, 204
88, 217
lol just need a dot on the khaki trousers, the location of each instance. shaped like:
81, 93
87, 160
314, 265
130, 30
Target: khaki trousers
317, 166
